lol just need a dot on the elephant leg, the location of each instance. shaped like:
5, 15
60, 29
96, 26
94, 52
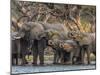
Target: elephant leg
23, 54
18, 51
35, 56
82, 55
41, 56
71, 58
16, 59
55, 55
88, 55
58, 57
62, 57
35, 51
13, 59
77, 55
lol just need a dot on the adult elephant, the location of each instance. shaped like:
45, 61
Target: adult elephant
19, 45
15, 48
87, 43
36, 38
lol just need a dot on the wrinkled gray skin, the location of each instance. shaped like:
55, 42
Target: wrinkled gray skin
87, 43
37, 39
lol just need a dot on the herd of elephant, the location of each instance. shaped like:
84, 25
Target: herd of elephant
69, 47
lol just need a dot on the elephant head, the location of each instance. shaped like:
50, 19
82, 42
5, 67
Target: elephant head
32, 30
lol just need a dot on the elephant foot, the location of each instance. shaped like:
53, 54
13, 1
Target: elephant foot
68, 63
55, 63
34, 64
81, 63
41, 63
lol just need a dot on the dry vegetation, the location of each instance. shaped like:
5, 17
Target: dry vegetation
75, 17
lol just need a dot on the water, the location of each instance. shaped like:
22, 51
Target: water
49, 68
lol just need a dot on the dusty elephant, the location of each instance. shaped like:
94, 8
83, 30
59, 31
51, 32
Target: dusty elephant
87, 43
15, 48
37, 41
19, 49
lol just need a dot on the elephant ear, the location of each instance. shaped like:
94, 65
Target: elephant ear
26, 26
15, 35
42, 34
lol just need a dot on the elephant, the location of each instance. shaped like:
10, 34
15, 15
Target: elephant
15, 47
71, 47
19, 48
87, 43
34, 32
65, 51
55, 38
57, 50
19, 44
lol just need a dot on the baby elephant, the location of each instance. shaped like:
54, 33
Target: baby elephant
54, 44
71, 47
